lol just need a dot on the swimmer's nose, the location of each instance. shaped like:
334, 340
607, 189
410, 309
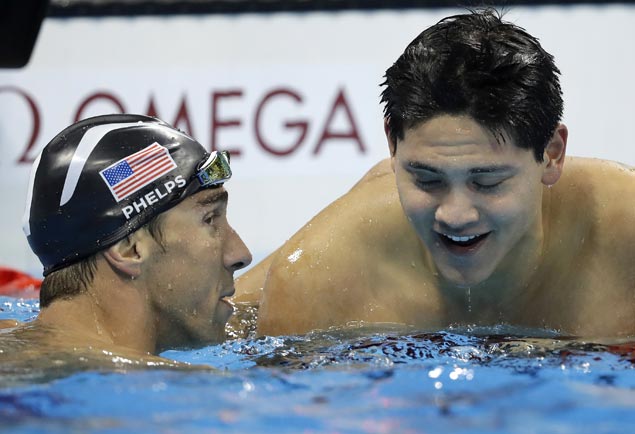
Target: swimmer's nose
237, 255
456, 211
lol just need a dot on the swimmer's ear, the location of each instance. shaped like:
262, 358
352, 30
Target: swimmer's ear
392, 146
126, 255
554, 156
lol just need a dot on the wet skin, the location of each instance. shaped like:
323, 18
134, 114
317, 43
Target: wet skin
397, 248
192, 271
151, 293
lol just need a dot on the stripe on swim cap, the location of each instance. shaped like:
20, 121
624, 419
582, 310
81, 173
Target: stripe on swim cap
26, 226
86, 145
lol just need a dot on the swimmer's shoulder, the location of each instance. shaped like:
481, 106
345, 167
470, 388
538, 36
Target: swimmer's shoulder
596, 166
608, 210
332, 257
378, 173
592, 167
592, 182
605, 190
597, 180
361, 217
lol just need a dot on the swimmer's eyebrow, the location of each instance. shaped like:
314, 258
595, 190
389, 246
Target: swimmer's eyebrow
213, 198
493, 169
416, 165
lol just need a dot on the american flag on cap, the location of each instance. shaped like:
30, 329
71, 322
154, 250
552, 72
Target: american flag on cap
134, 172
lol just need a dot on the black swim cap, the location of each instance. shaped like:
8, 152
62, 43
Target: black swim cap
103, 178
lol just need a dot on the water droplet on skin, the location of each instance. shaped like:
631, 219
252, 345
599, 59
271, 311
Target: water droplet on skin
293, 257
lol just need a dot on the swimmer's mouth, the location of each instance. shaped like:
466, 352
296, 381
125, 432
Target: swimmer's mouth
463, 242
228, 293
225, 298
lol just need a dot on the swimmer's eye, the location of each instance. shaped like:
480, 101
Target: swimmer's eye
210, 218
429, 184
487, 186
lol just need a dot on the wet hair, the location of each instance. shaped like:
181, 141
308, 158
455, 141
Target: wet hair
75, 279
477, 65
68, 282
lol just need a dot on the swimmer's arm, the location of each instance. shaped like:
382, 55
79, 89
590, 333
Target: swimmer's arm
291, 303
279, 308
314, 282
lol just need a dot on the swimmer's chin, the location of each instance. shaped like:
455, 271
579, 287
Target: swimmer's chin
461, 281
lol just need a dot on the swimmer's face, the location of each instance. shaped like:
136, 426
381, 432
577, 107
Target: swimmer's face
474, 203
193, 275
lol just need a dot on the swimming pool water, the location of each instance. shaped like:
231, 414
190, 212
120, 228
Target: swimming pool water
379, 379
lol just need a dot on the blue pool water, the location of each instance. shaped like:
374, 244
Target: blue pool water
364, 379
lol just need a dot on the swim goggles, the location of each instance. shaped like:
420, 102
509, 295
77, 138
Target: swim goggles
214, 170
211, 172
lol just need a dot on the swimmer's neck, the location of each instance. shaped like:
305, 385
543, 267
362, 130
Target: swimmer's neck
111, 322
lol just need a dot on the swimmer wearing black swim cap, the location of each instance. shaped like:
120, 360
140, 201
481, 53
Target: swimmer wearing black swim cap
104, 177
128, 217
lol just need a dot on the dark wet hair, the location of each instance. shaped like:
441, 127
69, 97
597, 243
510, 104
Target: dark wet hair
478, 65
75, 279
